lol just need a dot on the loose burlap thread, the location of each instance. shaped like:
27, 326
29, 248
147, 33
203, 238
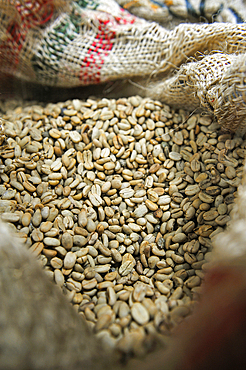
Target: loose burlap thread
82, 42
217, 83
87, 44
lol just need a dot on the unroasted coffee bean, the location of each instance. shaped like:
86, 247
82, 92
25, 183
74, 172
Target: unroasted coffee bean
118, 207
139, 313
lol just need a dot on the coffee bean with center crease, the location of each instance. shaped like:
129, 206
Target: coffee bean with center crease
111, 198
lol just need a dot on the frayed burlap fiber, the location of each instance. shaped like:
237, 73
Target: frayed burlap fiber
82, 42
216, 82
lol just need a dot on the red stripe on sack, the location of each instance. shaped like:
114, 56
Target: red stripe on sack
92, 63
102, 45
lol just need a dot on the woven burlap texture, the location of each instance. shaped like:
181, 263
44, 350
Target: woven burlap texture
216, 83
168, 12
82, 45
92, 41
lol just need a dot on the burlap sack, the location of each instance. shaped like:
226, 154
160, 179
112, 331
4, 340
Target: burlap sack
91, 42
217, 83
170, 12
88, 42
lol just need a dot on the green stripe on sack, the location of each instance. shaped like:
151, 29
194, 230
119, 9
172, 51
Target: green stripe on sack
88, 4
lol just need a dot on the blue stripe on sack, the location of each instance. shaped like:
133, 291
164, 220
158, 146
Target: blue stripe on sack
190, 9
203, 13
236, 15
202, 8
218, 12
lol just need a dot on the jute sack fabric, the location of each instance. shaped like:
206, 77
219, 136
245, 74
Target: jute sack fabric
82, 42
216, 82
169, 12
97, 41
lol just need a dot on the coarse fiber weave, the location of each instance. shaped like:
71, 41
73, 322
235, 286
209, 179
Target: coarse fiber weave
84, 42
172, 11
216, 82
